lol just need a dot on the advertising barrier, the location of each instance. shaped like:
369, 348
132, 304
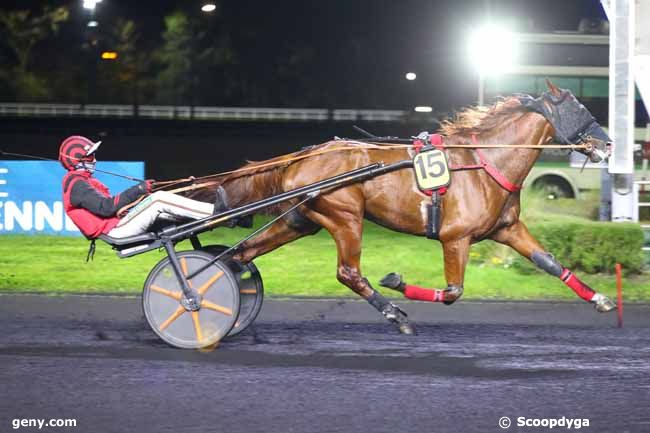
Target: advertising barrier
31, 197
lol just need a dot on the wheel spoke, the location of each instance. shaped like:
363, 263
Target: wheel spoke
173, 295
175, 315
212, 306
184, 268
204, 288
197, 326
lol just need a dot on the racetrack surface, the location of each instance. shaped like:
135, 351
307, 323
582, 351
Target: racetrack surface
326, 366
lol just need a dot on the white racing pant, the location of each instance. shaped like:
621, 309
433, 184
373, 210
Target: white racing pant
160, 204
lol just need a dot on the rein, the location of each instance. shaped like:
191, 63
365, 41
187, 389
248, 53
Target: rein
166, 184
204, 181
502, 146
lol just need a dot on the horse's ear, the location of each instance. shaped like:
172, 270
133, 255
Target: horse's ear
553, 88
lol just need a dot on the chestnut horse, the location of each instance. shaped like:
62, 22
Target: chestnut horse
475, 206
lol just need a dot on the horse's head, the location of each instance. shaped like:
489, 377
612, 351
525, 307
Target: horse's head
572, 122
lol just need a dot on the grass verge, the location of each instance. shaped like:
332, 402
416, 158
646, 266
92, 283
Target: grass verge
306, 267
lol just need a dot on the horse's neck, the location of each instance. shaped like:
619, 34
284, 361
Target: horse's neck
529, 130
247, 189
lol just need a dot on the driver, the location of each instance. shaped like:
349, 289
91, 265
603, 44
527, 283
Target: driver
94, 211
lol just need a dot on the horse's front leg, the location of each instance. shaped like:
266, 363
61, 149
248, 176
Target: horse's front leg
519, 238
456, 253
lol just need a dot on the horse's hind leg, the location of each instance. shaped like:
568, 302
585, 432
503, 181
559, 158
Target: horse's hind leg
456, 253
346, 229
519, 238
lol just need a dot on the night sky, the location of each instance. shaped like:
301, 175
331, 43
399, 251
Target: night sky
390, 38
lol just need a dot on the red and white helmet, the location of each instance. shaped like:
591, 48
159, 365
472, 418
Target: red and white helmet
76, 150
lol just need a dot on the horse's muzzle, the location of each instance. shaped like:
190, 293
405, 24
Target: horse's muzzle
597, 155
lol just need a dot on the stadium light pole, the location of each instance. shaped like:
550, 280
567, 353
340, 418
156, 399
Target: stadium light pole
491, 51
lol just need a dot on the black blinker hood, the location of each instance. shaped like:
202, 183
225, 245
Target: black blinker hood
570, 119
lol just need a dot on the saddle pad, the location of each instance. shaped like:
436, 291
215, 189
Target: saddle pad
431, 169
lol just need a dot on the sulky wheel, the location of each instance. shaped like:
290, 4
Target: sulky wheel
176, 325
251, 289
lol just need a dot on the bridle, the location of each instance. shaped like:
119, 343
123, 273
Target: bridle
573, 124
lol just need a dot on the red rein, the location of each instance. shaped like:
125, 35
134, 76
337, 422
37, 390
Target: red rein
436, 141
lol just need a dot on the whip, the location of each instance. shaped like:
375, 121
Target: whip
20, 155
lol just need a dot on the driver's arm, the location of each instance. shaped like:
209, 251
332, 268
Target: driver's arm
85, 196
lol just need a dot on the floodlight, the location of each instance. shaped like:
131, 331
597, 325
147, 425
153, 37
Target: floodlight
492, 50
423, 109
208, 7
411, 76
91, 4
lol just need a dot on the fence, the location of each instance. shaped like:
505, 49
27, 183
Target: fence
199, 113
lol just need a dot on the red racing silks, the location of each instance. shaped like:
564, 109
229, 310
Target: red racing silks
581, 289
421, 294
89, 224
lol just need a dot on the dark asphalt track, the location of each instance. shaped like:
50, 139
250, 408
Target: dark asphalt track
326, 366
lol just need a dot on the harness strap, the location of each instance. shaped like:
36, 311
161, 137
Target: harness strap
436, 141
489, 169
496, 174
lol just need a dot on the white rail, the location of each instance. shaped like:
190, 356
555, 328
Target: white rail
200, 113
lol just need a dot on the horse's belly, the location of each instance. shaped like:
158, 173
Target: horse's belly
403, 214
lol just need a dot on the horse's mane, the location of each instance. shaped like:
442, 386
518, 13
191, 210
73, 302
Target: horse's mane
474, 120
471, 120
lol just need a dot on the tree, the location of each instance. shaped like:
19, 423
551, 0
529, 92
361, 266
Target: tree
174, 80
21, 31
192, 59
121, 79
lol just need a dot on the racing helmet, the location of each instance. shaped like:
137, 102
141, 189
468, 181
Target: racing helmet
76, 150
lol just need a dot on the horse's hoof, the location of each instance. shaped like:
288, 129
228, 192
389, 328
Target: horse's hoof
603, 304
393, 281
452, 294
406, 329
398, 317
